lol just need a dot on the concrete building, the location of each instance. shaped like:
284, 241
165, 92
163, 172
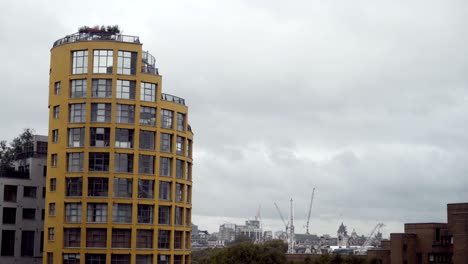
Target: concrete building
427, 243
252, 229
22, 208
120, 156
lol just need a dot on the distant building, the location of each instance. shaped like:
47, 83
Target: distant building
424, 243
227, 232
22, 208
342, 235
251, 229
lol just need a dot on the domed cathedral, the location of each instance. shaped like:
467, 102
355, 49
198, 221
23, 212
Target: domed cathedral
342, 235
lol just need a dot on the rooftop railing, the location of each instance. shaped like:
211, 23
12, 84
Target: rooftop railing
77, 37
149, 69
147, 58
172, 98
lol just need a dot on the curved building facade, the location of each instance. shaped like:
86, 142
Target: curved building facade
120, 157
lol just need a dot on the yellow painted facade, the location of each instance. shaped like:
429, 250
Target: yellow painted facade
99, 171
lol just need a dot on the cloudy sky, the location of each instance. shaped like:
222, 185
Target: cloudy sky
367, 101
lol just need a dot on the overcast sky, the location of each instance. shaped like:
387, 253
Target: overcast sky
365, 100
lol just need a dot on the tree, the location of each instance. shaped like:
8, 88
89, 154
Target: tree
16, 151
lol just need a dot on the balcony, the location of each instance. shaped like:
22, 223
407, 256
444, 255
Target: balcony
149, 62
78, 37
172, 98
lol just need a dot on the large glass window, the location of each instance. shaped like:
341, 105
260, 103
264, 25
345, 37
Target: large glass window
99, 137
8, 243
178, 239
77, 113
123, 162
98, 187
98, 161
121, 238
73, 212
166, 142
180, 145
164, 217
146, 164
74, 186
148, 92
147, 140
71, 237
145, 259
78, 88
147, 116
145, 188
179, 192
97, 213
120, 258
126, 62
95, 258
80, 62
29, 213
164, 239
55, 135
126, 89
102, 62
122, 213
180, 122
145, 214
27, 243
76, 137
56, 112
102, 88
125, 114
179, 168
101, 112
122, 187
68, 258
144, 239
96, 237
178, 215
164, 191
75, 161
123, 138
57, 88
165, 166
166, 118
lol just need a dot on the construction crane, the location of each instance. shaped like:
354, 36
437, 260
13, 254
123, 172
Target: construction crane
363, 249
291, 236
286, 225
310, 209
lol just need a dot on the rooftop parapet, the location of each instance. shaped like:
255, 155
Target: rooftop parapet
96, 36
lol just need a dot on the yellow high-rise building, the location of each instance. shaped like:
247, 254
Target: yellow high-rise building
120, 157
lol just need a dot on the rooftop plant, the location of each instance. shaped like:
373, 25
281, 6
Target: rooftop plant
111, 29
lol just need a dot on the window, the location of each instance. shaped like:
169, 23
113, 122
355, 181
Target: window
146, 164
164, 191
8, 243
164, 259
126, 89
166, 142
98, 161
144, 238
55, 135
179, 211
50, 259
123, 162
122, 213
179, 192
29, 192
97, 213
122, 187
10, 193
163, 239
126, 62
188, 171
178, 239
187, 218
120, 259
101, 113
98, 187
121, 238
51, 209
147, 116
189, 148
27, 243
123, 138
77, 113
9, 216
51, 234
145, 214
148, 92
180, 145
145, 188
78, 88
99, 137
71, 258
53, 160
187, 194
146, 140
53, 184
180, 122
179, 168
76, 137
96, 237
103, 60
166, 118
102, 88
125, 114
79, 62
42, 215
56, 112
74, 186
177, 259
57, 88
145, 259
164, 166
95, 258
73, 212
75, 161
164, 216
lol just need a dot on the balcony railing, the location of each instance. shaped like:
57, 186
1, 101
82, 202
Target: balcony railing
147, 58
77, 37
172, 98
149, 69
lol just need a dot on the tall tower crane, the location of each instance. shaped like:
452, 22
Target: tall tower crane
291, 237
310, 209
286, 225
363, 249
